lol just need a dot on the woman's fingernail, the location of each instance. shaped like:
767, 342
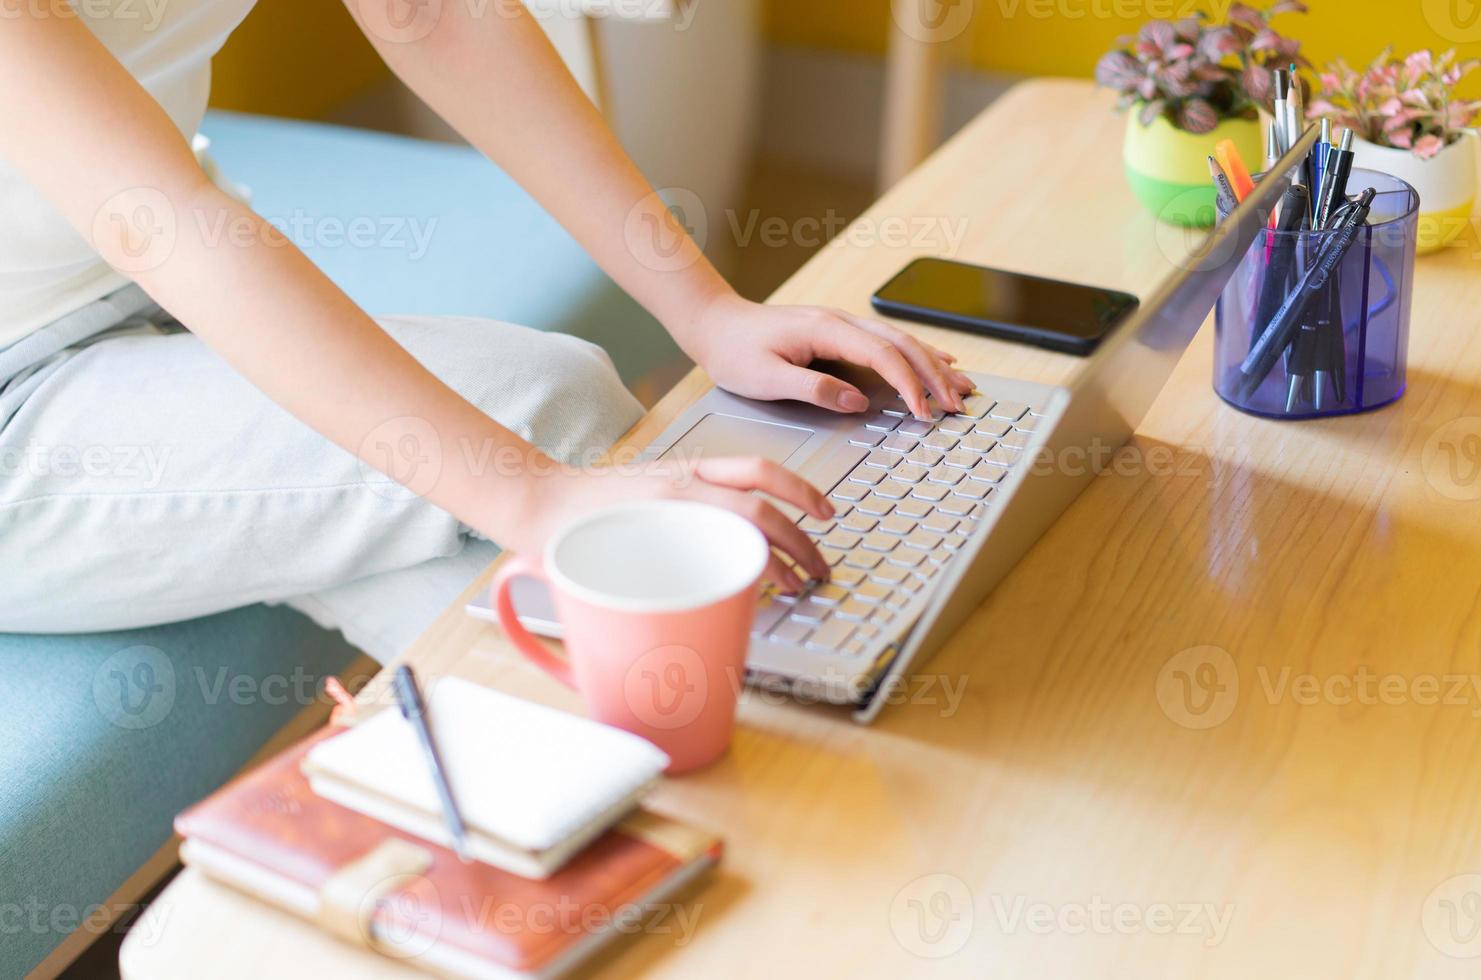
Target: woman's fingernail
852, 401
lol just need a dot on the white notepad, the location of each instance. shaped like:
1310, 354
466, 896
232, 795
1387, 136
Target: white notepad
534, 784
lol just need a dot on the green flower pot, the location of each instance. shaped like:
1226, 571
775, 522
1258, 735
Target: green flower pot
1168, 168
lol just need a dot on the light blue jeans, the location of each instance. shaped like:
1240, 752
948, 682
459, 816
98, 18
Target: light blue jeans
142, 481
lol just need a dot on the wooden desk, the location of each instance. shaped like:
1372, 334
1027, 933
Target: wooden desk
1048, 803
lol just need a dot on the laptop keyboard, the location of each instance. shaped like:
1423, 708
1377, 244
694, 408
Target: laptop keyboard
902, 513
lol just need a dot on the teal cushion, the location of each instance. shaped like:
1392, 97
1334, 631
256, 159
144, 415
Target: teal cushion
410, 226
109, 735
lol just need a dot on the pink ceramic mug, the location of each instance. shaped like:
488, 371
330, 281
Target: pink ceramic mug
656, 601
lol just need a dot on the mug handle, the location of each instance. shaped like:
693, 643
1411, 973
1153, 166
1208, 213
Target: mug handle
535, 651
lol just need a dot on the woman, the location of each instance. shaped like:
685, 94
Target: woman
250, 399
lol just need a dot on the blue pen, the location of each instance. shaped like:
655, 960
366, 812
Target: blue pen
414, 710
1320, 155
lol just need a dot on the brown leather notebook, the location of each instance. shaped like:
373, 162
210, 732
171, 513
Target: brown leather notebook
266, 833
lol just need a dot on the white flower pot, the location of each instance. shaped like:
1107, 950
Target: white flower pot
1446, 184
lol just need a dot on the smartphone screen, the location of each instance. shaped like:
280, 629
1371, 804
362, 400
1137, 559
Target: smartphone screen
1059, 315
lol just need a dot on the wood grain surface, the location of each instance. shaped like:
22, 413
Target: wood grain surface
1224, 720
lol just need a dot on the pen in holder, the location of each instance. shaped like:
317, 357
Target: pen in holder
1341, 347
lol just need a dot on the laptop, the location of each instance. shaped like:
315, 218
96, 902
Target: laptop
932, 515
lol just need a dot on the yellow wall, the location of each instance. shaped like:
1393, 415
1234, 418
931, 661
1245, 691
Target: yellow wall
1065, 37
305, 57
294, 58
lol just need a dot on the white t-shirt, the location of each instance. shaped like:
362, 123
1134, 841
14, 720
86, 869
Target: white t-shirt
46, 269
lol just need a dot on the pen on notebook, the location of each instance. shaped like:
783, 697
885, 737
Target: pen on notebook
414, 710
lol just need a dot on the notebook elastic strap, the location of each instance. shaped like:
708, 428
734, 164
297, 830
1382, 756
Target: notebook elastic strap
389, 875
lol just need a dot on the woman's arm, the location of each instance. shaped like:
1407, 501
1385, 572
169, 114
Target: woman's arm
489, 70
84, 132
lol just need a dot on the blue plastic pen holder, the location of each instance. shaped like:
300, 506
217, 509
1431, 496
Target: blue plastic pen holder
1362, 367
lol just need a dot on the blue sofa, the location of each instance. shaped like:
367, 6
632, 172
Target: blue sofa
107, 736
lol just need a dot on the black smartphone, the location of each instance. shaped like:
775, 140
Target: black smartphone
1062, 316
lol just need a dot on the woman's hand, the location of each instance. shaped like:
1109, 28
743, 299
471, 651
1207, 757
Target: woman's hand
764, 351
722, 482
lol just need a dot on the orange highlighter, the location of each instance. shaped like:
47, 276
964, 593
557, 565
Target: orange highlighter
1239, 175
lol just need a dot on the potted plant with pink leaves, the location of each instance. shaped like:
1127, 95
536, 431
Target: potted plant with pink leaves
1191, 83
1407, 121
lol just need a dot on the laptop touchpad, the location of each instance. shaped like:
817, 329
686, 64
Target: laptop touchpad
716, 436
